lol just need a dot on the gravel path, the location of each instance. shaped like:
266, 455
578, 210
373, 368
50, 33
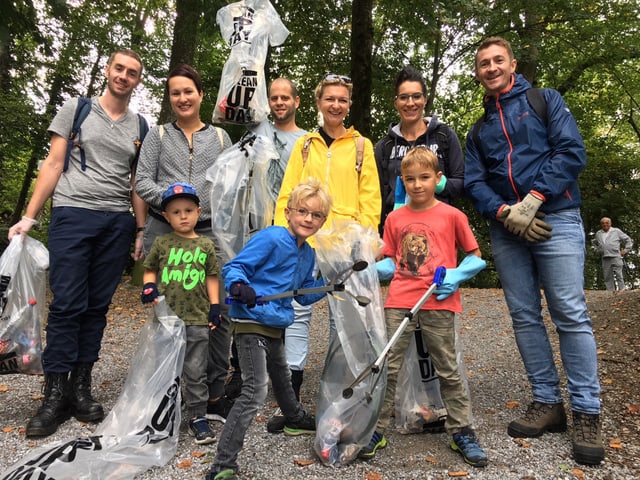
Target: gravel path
496, 378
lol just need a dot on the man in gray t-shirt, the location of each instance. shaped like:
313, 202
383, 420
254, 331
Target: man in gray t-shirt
89, 238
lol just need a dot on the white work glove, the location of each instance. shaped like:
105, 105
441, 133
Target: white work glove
538, 230
386, 268
468, 268
22, 227
521, 214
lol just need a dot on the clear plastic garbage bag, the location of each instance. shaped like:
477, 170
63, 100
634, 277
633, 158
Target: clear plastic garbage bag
248, 27
417, 400
142, 429
23, 268
242, 201
345, 425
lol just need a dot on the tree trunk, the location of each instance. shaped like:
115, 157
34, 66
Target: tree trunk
361, 54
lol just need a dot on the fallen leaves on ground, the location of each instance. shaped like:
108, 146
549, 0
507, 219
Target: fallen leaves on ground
185, 463
303, 462
457, 473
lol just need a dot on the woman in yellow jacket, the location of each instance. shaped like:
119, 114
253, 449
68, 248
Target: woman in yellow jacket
342, 159
330, 154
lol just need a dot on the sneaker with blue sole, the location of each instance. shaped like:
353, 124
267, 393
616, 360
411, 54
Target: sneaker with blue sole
465, 442
378, 441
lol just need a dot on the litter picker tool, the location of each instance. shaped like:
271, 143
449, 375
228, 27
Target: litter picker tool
335, 285
375, 367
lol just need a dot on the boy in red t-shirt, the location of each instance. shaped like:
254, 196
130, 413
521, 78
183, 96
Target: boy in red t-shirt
419, 237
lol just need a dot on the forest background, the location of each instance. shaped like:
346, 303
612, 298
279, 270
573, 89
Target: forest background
589, 50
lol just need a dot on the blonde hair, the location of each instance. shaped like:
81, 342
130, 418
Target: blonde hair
421, 156
309, 189
334, 81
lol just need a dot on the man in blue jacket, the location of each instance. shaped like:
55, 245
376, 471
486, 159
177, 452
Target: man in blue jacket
521, 172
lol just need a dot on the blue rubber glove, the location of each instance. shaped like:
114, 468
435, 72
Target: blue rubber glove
400, 195
214, 315
468, 268
149, 292
441, 184
386, 268
244, 293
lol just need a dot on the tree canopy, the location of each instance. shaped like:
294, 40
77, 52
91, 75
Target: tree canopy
587, 50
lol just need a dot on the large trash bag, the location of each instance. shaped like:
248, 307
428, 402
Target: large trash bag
23, 268
242, 201
248, 27
418, 403
345, 425
142, 429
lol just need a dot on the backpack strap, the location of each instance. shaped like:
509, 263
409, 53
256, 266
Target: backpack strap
220, 136
537, 102
305, 149
143, 129
359, 154
82, 110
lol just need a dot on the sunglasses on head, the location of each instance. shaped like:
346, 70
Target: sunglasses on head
333, 76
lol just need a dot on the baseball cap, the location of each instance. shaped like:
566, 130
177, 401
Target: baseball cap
179, 190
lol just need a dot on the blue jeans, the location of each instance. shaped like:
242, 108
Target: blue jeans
260, 358
557, 266
296, 337
88, 251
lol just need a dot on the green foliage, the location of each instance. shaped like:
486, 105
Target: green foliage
588, 50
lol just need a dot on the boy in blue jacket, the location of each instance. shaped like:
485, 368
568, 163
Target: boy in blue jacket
275, 260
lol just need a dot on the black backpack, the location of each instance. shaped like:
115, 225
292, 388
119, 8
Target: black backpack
82, 110
536, 100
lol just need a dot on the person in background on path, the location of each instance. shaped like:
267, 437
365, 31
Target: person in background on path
438, 230
283, 131
182, 151
342, 159
182, 266
89, 239
274, 260
414, 129
522, 175
612, 244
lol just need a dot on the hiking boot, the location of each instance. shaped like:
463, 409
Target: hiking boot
587, 439
466, 444
55, 408
200, 429
228, 474
305, 426
276, 422
85, 408
219, 410
539, 418
377, 442
233, 387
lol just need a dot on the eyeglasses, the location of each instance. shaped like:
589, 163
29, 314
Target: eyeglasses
303, 212
332, 77
404, 97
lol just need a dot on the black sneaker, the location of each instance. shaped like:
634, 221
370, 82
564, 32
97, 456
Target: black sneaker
200, 429
276, 422
305, 426
466, 444
233, 386
377, 442
219, 410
